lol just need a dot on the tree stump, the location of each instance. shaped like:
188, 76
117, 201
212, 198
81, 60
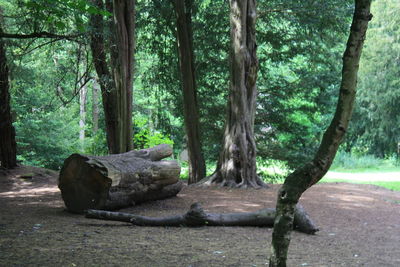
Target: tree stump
119, 180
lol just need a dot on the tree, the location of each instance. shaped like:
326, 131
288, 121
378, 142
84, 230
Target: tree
47, 33
8, 147
82, 114
375, 124
237, 162
197, 168
309, 174
299, 46
115, 80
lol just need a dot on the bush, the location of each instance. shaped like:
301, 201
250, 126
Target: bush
145, 137
97, 144
345, 160
272, 171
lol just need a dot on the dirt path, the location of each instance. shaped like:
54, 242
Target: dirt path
360, 226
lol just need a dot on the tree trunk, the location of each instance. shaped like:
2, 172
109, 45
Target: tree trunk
8, 146
119, 180
82, 115
237, 163
124, 14
303, 178
196, 216
95, 106
197, 168
116, 85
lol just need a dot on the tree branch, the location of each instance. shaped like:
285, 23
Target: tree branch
42, 34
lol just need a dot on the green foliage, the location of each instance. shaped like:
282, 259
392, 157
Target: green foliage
376, 121
359, 162
145, 137
157, 92
395, 186
210, 168
346, 161
272, 171
46, 129
184, 170
300, 51
46, 139
300, 44
96, 144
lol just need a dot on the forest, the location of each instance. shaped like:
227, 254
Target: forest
56, 99
245, 92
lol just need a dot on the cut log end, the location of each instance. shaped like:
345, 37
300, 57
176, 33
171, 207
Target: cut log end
82, 187
119, 180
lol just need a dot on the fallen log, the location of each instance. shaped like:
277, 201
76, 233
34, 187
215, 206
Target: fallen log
196, 216
119, 180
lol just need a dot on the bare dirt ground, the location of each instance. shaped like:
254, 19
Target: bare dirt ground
360, 226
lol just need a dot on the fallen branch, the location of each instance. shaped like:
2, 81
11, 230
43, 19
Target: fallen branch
196, 216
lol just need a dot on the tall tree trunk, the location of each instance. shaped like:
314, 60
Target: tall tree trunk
303, 178
237, 163
8, 147
197, 168
82, 115
95, 106
108, 91
115, 84
123, 69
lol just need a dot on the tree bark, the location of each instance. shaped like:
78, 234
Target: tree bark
197, 168
82, 115
124, 14
237, 162
95, 106
8, 146
116, 85
309, 174
108, 91
119, 180
196, 216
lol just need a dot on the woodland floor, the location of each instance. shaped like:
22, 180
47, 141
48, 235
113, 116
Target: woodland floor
359, 226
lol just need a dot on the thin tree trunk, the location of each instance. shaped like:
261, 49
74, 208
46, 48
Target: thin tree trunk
197, 168
116, 85
303, 178
95, 106
82, 114
237, 163
8, 146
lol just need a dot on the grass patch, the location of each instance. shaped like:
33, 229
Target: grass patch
393, 185
388, 178
210, 168
346, 168
347, 162
375, 169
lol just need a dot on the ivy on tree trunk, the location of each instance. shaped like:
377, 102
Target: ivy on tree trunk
309, 174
